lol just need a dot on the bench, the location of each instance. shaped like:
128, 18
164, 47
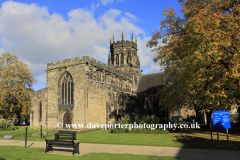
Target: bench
60, 143
66, 133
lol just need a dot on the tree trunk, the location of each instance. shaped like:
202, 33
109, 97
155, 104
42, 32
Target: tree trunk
14, 116
197, 115
19, 119
238, 111
209, 118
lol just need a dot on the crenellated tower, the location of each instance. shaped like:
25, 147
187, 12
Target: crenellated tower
124, 53
123, 57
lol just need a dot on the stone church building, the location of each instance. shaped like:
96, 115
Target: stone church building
83, 90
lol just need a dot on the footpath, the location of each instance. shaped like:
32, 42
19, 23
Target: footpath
179, 153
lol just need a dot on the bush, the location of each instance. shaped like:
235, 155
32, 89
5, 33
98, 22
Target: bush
8, 129
149, 120
5, 124
126, 120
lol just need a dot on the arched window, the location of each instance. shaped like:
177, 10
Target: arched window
117, 60
122, 59
106, 79
67, 89
99, 77
40, 111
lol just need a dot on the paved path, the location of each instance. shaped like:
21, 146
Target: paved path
179, 153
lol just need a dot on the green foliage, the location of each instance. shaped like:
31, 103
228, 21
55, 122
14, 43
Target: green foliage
5, 124
149, 120
200, 53
126, 120
16, 83
9, 129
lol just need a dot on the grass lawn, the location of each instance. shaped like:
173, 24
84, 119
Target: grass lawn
22, 130
22, 153
198, 139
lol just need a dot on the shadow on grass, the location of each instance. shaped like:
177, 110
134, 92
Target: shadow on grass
198, 145
189, 141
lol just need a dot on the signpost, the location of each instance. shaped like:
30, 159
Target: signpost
26, 138
221, 120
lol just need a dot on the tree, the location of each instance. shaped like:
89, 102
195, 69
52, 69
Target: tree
203, 49
16, 86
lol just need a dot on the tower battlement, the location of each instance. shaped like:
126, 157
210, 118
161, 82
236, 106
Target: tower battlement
86, 59
124, 43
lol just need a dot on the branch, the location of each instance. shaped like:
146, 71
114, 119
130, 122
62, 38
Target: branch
227, 50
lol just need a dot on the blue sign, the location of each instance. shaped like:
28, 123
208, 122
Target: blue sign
221, 120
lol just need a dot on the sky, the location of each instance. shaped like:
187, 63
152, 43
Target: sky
43, 31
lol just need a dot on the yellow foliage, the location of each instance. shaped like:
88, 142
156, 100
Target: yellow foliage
13, 81
203, 51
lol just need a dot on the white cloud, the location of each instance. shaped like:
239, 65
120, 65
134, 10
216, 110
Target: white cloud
41, 78
104, 2
155, 68
37, 37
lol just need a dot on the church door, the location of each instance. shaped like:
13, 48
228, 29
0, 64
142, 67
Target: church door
66, 120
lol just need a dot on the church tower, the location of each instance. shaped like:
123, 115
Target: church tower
123, 56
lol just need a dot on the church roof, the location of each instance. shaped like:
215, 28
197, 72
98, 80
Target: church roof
149, 81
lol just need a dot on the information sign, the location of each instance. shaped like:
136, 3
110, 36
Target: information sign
221, 120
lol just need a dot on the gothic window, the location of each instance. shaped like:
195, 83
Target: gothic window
40, 111
108, 79
122, 59
112, 81
90, 75
117, 60
99, 77
94, 77
103, 79
67, 89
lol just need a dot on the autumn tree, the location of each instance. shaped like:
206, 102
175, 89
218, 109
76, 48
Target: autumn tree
15, 86
201, 54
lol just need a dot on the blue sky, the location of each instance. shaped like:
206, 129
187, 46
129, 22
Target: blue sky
42, 31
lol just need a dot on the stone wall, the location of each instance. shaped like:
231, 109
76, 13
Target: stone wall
36, 98
54, 82
99, 95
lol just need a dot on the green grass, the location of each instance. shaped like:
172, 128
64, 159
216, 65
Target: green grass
200, 139
143, 131
34, 138
22, 153
105, 137
22, 130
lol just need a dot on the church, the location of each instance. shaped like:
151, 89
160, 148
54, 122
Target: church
83, 90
